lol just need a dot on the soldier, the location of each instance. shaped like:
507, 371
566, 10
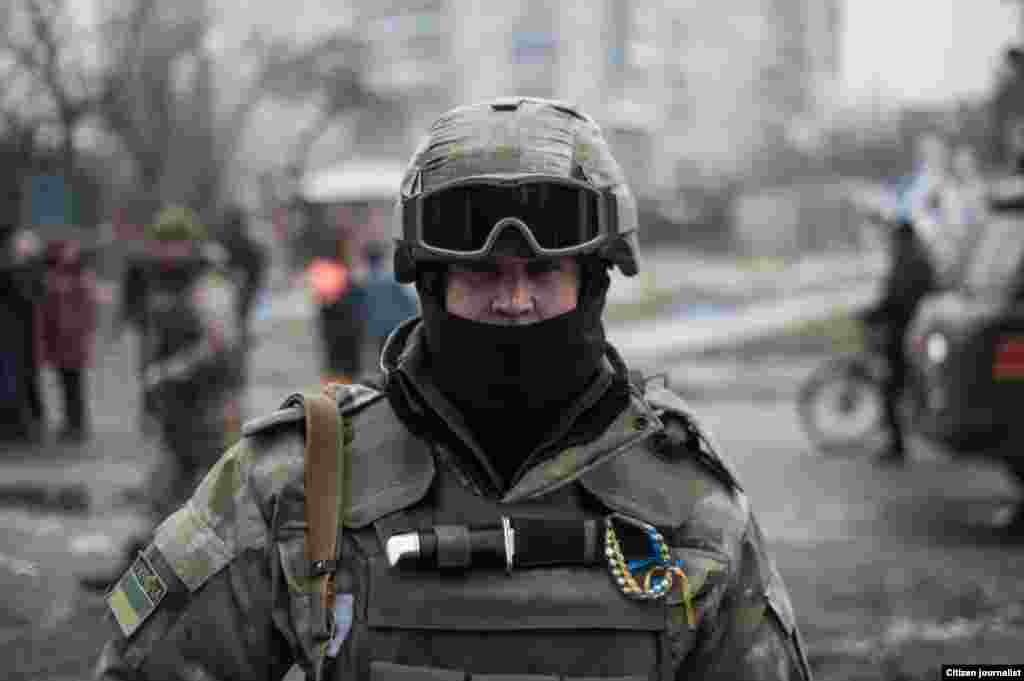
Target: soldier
189, 369
518, 505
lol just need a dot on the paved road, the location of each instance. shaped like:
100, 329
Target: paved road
892, 571
658, 342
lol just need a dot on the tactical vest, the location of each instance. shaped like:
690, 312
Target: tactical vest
549, 622
171, 317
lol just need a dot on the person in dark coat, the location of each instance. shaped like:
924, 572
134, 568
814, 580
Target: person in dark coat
132, 314
340, 300
247, 261
248, 258
15, 415
22, 415
911, 276
388, 303
68, 320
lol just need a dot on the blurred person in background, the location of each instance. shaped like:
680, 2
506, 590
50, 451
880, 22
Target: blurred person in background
336, 277
921, 254
22, 416
924, 200
388, 303
965, 206
249, 258
131, 314
69, 320
911, 275
190, 362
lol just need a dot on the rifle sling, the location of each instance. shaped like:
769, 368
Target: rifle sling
326, 479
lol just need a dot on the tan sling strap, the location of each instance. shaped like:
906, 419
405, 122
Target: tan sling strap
327, 470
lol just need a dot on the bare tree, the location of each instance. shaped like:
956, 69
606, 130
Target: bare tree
329, 71
146, 71
144, 98
44, 75
181, 129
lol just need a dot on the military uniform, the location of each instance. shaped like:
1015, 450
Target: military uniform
224, 591
190, 375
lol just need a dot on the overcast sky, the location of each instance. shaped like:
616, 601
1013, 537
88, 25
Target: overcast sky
924, 50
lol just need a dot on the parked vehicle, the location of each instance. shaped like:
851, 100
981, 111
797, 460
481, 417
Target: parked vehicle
966, 351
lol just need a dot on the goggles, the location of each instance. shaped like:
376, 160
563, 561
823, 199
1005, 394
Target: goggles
463, 219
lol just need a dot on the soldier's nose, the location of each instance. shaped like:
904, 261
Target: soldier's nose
515, 298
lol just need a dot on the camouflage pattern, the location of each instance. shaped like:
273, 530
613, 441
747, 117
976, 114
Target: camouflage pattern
535, 136
240, 599
176, 223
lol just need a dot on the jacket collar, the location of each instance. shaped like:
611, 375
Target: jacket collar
403, 359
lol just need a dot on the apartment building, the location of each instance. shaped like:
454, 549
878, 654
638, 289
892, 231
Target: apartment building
685, 90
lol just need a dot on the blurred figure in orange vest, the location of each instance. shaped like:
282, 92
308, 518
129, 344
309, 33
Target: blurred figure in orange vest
340, 312
329, 279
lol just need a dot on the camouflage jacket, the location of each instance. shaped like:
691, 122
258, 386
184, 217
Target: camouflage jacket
190, 328
224, 591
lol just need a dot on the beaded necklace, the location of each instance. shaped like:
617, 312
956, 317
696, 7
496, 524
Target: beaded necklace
650, 578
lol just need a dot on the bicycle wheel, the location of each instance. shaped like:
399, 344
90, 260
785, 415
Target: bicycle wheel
841, 407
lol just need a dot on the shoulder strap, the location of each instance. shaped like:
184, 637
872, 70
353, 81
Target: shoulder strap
328, 445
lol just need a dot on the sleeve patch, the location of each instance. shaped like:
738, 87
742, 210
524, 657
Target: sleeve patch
136, 595
193, 550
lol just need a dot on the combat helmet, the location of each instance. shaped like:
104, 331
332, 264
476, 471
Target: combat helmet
176, 223
534, 165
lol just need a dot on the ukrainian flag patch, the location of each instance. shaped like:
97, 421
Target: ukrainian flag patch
136, 595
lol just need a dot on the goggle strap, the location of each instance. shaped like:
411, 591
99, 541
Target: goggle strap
611, 214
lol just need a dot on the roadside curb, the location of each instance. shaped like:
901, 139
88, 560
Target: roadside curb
660, 342
768, 379
36, 495
731, 277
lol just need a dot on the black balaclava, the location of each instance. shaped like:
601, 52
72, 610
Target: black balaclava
511, 382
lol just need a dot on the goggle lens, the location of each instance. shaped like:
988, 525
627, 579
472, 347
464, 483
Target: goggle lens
462, 218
